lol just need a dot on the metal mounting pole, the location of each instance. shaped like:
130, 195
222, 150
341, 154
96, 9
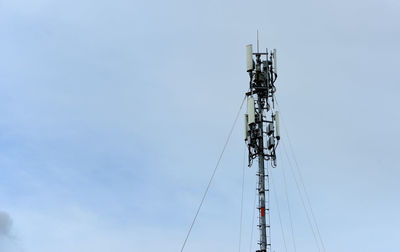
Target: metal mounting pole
261, 189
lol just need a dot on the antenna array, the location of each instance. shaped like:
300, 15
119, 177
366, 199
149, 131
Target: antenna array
262, 126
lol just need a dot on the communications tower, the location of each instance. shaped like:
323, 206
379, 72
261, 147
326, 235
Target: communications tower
262, 131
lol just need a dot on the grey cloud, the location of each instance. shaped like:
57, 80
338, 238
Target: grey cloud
5, 224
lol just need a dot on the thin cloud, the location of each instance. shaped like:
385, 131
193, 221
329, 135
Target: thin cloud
5, 224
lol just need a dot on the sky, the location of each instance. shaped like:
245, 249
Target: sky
113, 114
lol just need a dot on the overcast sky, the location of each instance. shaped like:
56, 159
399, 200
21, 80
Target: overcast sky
113, 114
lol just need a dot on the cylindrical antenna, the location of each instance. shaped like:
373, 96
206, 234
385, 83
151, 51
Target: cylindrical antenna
258, 44
246, 126
249, 58
278, 132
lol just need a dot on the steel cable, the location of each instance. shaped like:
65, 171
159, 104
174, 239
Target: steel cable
289, 208
279, 212
213, 174
301, 198
252, 220
301, 181
241, 202
305, 191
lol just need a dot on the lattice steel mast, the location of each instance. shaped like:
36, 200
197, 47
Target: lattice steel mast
262, 126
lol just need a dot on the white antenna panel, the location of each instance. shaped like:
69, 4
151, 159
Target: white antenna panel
251, 110
276, 70
278, 132
249, 58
